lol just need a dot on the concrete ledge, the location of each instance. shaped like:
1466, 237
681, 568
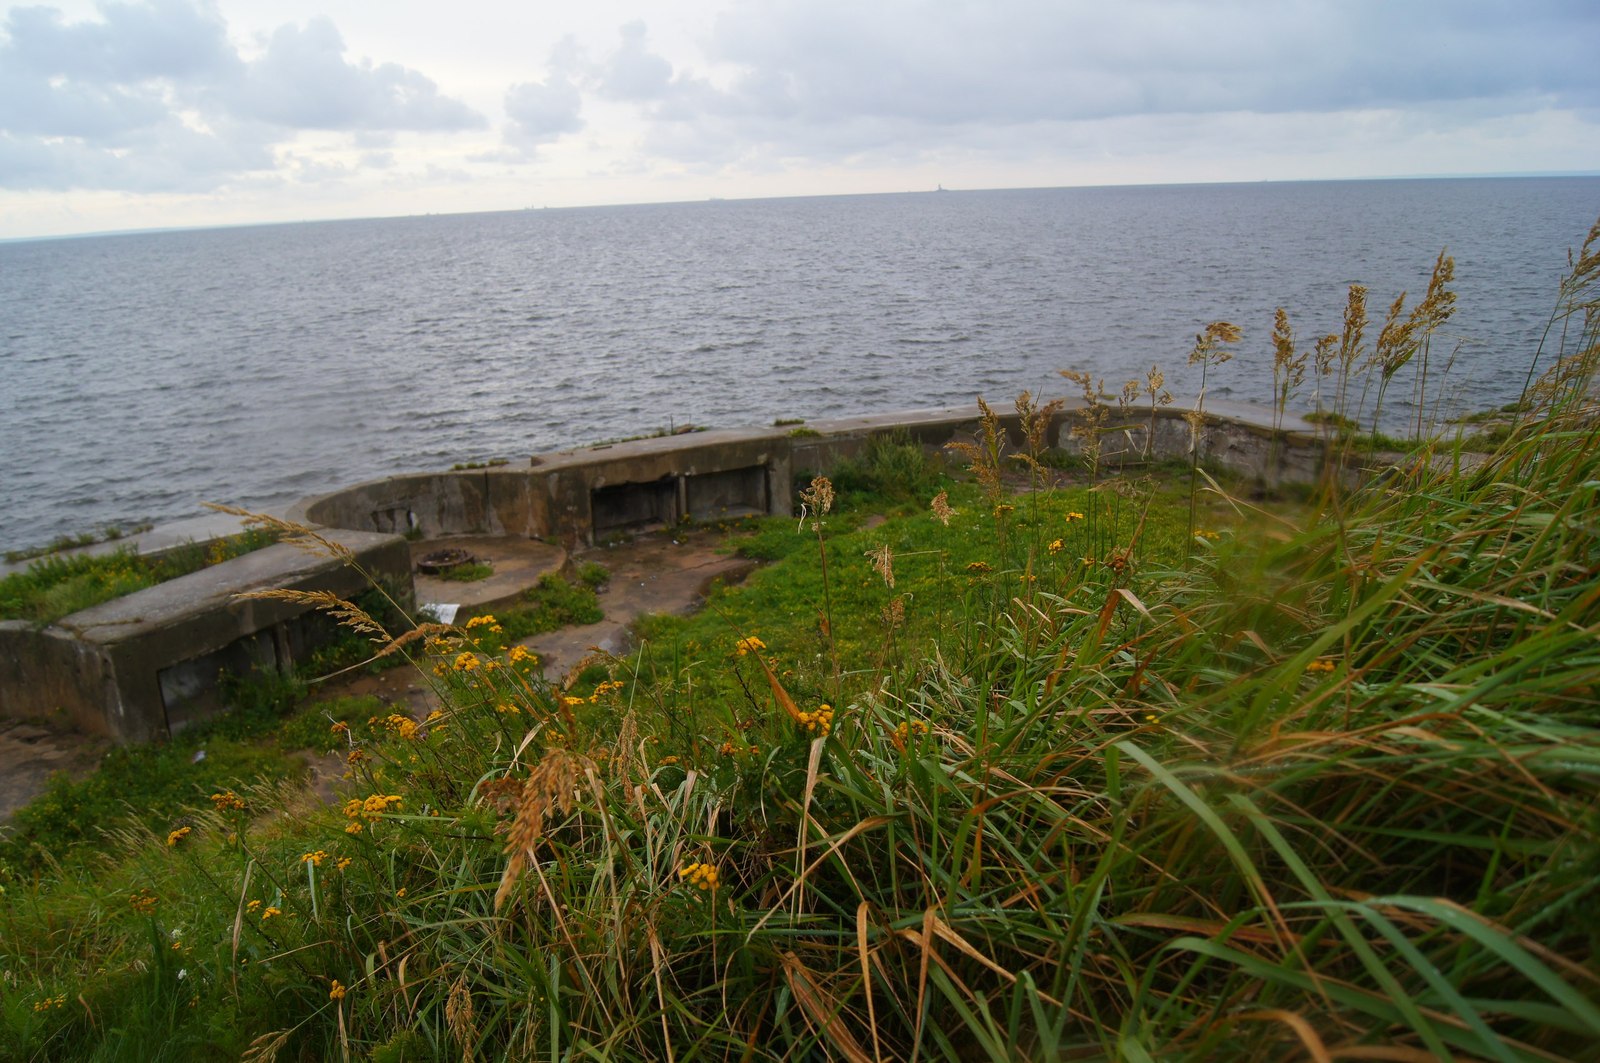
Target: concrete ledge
145, 665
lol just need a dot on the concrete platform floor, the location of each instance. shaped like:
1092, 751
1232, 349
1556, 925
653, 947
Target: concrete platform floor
518, 564
661, 572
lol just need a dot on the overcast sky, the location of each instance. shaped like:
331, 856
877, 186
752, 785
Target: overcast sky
152, 113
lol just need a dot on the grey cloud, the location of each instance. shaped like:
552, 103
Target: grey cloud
541, 112
151, 96
1016, 60
822, 75
304, 82
634, 73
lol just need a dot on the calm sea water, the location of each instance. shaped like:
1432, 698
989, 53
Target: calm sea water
144, 373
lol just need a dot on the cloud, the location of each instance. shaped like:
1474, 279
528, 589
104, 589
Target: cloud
830, 78
303, 81
152, 96
633, 73
542, 111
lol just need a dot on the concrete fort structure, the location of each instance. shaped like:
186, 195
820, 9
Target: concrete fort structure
144, 666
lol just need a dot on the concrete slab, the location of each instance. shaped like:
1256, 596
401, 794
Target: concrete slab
202, 528
519, 564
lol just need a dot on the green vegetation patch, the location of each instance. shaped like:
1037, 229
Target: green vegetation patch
60, 585
1130, 770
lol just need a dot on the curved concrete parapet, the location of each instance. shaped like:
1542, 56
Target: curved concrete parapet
142, 666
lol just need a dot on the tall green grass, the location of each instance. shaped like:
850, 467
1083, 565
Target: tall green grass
1319, 791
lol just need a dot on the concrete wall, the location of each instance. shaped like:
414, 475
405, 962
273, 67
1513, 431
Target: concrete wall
143, 666
575, 495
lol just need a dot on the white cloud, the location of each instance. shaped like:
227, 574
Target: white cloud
303, 81
256, 99
152, 97
540, 112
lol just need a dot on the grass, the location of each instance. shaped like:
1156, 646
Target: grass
58, 586
934, 787
471, 572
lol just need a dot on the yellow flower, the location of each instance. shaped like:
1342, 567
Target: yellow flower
1320, 666
401, 892
252, 907
1074, 515
903, 732
978, 566
486, 620
315, 858
748, 644
1056, 546
521, 655
270, 911
336, 991
178, 835
700, 876
466, 661
819, 722
227, 800
669, 760
404, 726
342, 863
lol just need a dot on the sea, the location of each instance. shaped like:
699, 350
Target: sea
146, 373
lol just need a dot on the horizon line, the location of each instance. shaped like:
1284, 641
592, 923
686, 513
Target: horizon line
155, 230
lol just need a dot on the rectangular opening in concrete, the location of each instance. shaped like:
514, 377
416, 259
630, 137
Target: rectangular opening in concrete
632, 506
732, 493
191, 690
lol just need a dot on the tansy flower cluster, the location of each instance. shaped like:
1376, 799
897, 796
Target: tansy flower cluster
51, 1002
227, 801
1320, 666
404, 726
178, 835
488, 621
1074, 515
523, 657
749, 644
315, 858
903, 732
371, 808
1056, 546
336, 991
143, 902
700, 876
819, 723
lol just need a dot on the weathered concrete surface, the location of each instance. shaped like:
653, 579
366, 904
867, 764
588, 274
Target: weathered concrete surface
576, 496
664, 572
159, 540
30, 755
139, 667
518, 565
